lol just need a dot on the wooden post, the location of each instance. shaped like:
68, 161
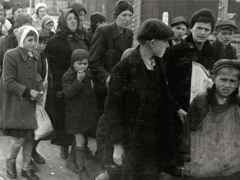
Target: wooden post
223, 9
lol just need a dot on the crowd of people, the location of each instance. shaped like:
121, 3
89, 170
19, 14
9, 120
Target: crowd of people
138, 102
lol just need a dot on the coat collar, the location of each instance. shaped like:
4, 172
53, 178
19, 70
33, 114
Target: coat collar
23, 53
116, 33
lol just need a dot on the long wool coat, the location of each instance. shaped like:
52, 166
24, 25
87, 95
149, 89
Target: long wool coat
136, 111
17, 110
80, 103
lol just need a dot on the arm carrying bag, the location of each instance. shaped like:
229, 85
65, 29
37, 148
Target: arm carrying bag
42, 118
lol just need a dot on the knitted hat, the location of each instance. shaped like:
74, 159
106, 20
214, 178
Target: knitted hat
79, 55
96, 18
22, 33
46, 20
226, 24
77, 7
39, 5
226, 63
44, 34
16, 6
154, 29
203, 15
179, 20
121, 6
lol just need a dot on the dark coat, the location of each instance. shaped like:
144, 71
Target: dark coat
178, 60
19, 77
107, 47
80, 103
136, 110
229, 52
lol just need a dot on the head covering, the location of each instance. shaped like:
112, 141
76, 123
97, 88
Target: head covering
16, 6
46, 20
79, 55
39, 5
121, 6
78, 7
22, 33
154, 29
226, 63
44, 34
203, 15
226, 24
179, 20
96, 18
62, 20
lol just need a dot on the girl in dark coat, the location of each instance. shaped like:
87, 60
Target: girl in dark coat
20, 88
80, 103
59, 50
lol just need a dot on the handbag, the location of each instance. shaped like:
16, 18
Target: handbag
43, 121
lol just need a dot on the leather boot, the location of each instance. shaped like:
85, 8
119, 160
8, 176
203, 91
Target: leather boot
71, 160
80, 153
64, 152
11, 168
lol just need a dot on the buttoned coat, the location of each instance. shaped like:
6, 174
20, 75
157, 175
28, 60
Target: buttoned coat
107, 47
19, 72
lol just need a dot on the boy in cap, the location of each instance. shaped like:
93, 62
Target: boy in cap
224, 32
179, 60
137, 106
179, 26
212, 131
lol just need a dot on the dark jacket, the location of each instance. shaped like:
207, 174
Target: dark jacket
107, 47
229, 52
19, 77
80, 103
137, 108
178, 60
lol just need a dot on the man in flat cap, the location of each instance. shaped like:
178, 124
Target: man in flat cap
138, 104
179, 26
224, 33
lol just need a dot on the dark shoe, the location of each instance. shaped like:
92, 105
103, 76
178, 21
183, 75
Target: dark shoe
11, 169
83, 175
29, 175
72, 166
64, 152
33, 166
38, 158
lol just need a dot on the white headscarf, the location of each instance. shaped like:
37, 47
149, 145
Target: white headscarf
22, 33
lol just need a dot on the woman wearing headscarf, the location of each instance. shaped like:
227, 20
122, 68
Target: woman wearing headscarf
59, 50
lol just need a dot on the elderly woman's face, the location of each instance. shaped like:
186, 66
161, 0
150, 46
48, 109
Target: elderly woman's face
123, 20
42, 12
72, 22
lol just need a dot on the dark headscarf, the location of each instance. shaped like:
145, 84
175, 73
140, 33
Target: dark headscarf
62, 21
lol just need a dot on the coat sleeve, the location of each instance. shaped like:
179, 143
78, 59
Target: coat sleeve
71, 88
114, 103
98, 48
9, 75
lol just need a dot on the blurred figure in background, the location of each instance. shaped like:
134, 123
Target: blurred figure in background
48, 24
16, 10
5, 25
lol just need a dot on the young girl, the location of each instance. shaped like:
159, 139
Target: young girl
211, 134
20, 89
80, 104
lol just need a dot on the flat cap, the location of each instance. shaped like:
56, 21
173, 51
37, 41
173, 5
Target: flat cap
154, 29
226, 63
226, 24
179, 20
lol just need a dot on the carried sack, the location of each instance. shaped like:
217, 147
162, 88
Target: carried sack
42, 118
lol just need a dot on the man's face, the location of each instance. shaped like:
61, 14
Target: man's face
179, 30
200, 32
225, 36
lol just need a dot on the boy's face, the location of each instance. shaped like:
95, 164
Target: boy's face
226, 81
49, 26
179, 30
225, 36
201, 31
80, 65
159, 46
41, 46
30, 43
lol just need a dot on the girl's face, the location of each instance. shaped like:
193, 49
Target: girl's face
49, 26
30, 43
42, 12
41, 46
226, 81
17, 12
72, 22
81, 16
123, 20
80, 65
